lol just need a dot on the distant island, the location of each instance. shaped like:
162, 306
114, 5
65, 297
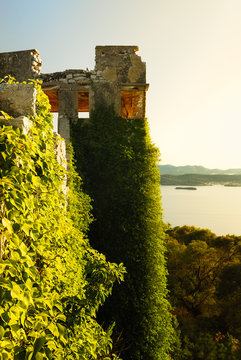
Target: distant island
185, 188
198, 176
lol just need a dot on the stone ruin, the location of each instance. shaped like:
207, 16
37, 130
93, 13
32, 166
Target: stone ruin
119, 78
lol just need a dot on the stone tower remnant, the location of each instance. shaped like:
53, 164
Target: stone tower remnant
119, 78
22, 65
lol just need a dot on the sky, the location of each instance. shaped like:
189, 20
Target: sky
192, 50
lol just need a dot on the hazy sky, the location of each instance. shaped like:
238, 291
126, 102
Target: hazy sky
193, 53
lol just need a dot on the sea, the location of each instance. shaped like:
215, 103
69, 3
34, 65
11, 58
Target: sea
217, 208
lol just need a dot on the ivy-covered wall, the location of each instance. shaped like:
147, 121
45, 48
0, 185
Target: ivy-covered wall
52, 281
117, 162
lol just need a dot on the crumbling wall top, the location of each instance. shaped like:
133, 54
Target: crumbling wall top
120, 63
22, 65
116, 49
68, 76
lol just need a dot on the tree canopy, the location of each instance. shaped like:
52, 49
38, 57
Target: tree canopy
204, 283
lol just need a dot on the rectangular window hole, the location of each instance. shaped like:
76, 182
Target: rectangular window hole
83, 114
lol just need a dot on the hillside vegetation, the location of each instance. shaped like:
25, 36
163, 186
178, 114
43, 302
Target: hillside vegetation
205, 290
195, 169
201, 180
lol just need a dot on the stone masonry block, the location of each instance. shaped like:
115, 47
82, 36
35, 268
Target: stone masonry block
19, 64
18, 99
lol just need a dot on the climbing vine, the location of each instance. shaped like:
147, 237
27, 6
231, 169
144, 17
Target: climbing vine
117, 161
51, 281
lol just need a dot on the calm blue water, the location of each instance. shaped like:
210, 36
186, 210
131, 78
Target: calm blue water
217, 208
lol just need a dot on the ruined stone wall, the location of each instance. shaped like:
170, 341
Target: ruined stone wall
120, 63
118, 68
119, 78
22, 65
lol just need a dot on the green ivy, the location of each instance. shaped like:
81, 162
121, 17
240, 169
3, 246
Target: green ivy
51, 281
117, 161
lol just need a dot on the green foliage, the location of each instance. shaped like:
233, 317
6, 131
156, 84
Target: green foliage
117, 162
204, 282
51, 281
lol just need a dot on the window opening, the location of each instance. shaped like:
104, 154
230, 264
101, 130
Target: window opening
83, 114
